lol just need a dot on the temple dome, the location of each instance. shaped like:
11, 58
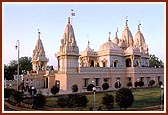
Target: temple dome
88, 51
109, 45
132, 50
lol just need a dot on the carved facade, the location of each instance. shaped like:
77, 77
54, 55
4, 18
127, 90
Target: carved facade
124, 59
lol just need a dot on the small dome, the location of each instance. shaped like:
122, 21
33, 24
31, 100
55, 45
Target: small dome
132, 50
109, 46
121, 44
88, 51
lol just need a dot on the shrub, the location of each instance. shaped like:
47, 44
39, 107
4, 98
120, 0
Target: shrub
90, 87
151, 82
141, 83
136, 84
105, 86
124, 98
74, 88
160, 83
129, 84
17, 96
54, 90
62, 101
8, 92
39, 101
108, 101
72, 100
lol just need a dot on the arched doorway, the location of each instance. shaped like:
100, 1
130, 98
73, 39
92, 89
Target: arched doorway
92, 63
104, 64
128, 62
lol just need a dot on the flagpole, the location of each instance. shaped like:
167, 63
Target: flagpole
71, 15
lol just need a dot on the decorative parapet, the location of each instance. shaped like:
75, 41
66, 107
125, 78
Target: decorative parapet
149, 70
120, 70
50, 72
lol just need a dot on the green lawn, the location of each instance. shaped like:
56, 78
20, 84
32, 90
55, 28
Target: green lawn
142, 98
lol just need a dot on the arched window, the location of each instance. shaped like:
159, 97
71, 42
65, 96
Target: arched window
115, 63
128, 62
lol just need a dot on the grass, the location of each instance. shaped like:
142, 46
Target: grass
142, 98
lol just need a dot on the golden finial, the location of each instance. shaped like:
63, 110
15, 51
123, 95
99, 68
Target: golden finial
88, 42
38, 33
109, 36
116, 32
126, 21
139, 25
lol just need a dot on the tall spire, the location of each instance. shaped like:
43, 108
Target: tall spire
126, 23
109, 36
139, 26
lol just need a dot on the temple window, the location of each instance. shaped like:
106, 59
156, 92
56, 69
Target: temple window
115, 63
128, 62
97, 81
92, 63
86, 82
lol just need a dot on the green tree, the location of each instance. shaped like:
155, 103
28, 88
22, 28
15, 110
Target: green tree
74, 88
108, 101
154, 61
39, 101
124, 98
25, 63
105, 86
54, 89
11, 68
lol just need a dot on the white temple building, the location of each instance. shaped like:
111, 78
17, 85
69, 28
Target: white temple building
122, 58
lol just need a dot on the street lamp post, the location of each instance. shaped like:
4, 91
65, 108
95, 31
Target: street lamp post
18, 48
10, 85
32, 97
118, 83
161, 98
94, 90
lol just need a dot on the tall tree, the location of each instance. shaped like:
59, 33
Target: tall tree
154, 61
11, 69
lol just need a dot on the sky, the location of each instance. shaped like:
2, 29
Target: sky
92, 21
